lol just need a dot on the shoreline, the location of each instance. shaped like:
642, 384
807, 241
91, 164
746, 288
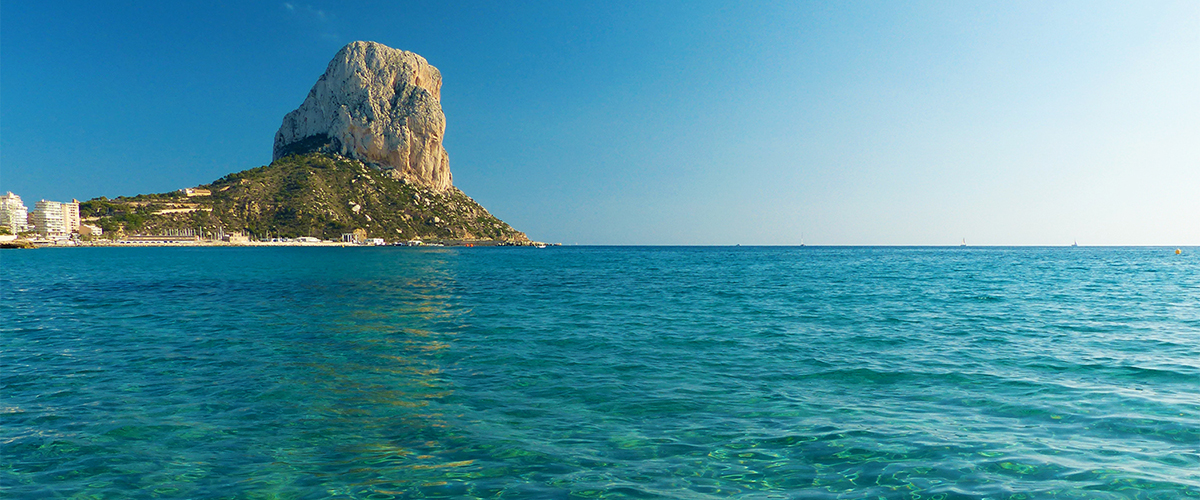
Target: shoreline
32, 244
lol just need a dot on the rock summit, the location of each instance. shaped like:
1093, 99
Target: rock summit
379, 105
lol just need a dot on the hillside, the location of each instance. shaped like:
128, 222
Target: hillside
316, 194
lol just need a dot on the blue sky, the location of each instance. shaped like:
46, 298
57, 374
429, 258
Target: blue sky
857, 123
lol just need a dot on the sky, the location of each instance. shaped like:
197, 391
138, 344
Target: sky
660, 122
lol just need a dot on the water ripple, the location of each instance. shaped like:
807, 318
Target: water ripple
600, 373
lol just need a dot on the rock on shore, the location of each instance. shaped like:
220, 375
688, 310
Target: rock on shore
378, 105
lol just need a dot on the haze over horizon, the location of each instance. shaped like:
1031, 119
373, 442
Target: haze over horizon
660, 123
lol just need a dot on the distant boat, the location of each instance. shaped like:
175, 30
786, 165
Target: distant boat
801, 239
964, 243
1075, 244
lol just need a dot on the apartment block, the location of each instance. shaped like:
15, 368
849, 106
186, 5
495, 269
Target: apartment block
70, 215
48, 217
13, 213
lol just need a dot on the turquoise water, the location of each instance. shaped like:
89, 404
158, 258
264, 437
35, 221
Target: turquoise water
565, 373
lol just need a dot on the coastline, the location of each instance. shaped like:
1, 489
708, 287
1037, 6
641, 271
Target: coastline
31, 244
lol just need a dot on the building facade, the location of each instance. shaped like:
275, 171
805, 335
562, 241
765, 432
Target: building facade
48, 218
70, 215
13, 213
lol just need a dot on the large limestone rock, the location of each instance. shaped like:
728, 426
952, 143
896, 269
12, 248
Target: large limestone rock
380, 106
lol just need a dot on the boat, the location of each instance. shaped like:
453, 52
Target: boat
964, 243
1075, 244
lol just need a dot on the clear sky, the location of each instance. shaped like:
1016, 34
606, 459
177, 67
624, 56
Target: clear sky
653, 122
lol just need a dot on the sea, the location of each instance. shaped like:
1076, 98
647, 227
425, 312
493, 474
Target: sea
600, 373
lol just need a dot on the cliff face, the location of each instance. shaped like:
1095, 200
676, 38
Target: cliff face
378, 105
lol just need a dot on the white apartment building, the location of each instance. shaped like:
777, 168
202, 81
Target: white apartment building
13, 213
48, 217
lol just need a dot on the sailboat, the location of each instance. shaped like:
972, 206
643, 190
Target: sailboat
964, 243
1075, 243
801, 239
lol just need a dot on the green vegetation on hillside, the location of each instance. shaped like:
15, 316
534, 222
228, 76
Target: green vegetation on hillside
316, 195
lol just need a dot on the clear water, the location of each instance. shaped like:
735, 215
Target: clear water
600, 373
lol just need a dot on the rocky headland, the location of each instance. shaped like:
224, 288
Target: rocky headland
362, 154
